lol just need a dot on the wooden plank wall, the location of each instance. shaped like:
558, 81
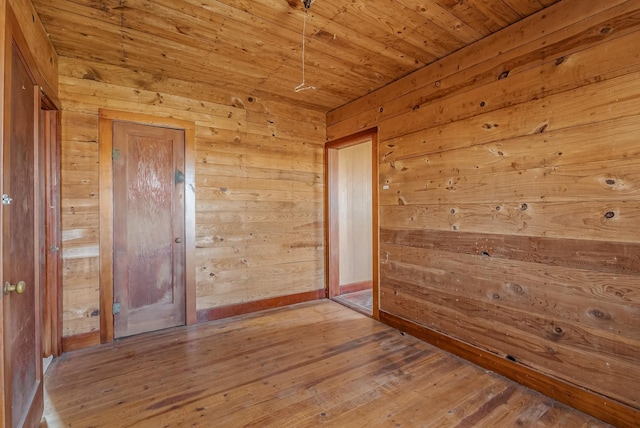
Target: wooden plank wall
512, 219
41, 48
259, 187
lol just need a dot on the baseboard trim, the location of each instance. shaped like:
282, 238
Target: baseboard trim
355, 286
212, 314
601, 407
80, 341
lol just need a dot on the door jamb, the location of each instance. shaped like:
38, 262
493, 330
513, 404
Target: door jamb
332, 282
107, 117
52, 304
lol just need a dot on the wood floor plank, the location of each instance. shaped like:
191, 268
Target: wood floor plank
315, 363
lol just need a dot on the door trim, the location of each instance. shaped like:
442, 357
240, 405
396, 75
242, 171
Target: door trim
332, 277
52, 302
107, 117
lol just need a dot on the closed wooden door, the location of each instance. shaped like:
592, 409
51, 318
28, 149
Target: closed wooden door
149, 252
20, 289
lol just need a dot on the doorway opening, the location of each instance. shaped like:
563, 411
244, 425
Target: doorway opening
352, 221
50, 229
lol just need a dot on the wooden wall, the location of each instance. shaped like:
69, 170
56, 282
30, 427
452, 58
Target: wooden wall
512, 218
259, 187
39, 44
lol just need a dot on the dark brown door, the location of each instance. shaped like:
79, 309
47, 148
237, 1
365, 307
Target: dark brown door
149, 253
20, 249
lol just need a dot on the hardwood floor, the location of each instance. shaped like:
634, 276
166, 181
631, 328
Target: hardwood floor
315, 363
361, 301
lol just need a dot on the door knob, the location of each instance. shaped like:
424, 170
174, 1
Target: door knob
178, 240
18, 288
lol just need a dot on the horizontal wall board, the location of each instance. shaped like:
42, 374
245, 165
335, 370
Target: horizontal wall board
212, 255
230, 244
610, 180
205, 207
79, 220
217, 92
230, 182
207, 170
571, 147
523, 338
617, 221
285, 254
558, 67
601, 256
529, 43
607, 100
599, 305
253, 215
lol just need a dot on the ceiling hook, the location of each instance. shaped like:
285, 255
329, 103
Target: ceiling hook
307, 3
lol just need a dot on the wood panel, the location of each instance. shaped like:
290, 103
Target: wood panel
41, 49
258, 189
608, 100
254, 47
289, 367
469, 294
509, 195
543, 36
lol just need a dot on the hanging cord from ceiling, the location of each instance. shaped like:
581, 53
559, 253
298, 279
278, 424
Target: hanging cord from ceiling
303, 86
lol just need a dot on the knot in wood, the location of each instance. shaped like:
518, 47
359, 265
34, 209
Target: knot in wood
601, 315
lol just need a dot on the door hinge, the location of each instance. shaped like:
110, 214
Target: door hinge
115, 154
178, 176
54, 248
116, 308
6, 200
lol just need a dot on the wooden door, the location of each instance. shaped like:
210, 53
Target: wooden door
148, 228
20, 251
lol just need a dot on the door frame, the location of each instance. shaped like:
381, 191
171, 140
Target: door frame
332, 260
107, 117
50, 146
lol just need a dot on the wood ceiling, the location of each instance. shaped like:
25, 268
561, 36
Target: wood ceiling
253, 47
